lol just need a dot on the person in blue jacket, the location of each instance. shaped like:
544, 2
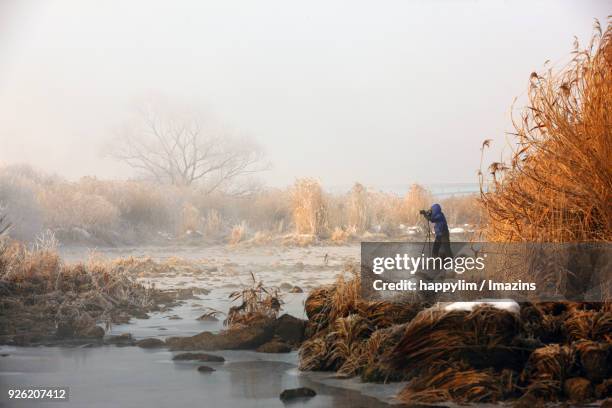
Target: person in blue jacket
442, 241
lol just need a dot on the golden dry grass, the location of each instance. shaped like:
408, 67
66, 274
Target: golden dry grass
438, 335
43, 298
558, 184
346, 340
238, 233
309, 211
349, 334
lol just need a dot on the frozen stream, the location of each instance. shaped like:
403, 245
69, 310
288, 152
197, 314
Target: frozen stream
111, 376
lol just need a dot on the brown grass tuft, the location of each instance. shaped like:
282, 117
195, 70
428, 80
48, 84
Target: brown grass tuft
451, 383
436, 335
258, 303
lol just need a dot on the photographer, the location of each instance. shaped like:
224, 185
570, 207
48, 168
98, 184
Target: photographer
442, 241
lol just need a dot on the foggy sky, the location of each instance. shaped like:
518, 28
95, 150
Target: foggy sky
382, 92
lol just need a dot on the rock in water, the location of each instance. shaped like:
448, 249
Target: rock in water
285, 286
207, 317
274, 346
205, 369
150, 343
93, 332
296, 289
198, 357
287, 329
290, 329
295, 393
243, 338
123, 339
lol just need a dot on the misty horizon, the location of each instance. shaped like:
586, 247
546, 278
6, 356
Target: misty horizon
344, 93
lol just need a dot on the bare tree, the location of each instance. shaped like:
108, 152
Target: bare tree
184, 149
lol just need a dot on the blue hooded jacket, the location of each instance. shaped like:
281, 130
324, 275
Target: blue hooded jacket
439, 220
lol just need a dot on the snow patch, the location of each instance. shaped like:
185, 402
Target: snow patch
502, 304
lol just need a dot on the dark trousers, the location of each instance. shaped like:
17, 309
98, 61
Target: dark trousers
442, 243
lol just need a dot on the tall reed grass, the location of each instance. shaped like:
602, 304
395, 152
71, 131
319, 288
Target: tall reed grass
557, 186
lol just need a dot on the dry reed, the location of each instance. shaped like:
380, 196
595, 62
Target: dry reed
309, 212
558, 184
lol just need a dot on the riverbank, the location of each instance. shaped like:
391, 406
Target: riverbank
133, 376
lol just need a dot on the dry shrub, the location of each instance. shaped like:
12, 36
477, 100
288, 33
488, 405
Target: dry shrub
65, 206
417, 198
358, 212
339, 235
309, 212
558, 185
29, 269
342, 235
141, 204
35, 282
258, 304
238, 233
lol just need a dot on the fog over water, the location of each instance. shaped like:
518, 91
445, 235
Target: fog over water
383, 93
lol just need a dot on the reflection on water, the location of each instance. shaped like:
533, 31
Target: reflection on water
131, 377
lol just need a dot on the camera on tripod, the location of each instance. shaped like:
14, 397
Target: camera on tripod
425, 213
